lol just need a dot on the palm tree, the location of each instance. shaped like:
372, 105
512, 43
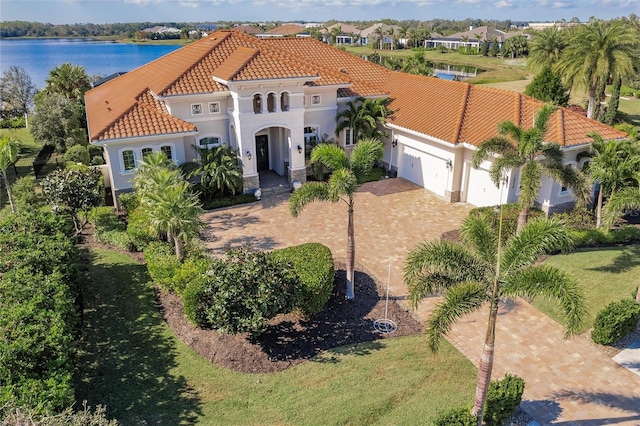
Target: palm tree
613, 164
347, 175
8, 155
517, 147
546, 48
219, 169
173, 210
417, 64
362, 116
597, 51
68, 80
465, 43
486, 267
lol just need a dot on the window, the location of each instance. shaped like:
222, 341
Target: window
146, 151
257, 103
210, 141
166, 149
196, 109
214, 107
315, 99
271, 102
284, 101
348, 137
310, 140
128, 160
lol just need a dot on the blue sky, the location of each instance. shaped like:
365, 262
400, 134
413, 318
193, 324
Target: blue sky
108, 11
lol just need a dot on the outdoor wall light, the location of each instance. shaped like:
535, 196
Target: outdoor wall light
299, 149
449, 164
394, 143
248, 155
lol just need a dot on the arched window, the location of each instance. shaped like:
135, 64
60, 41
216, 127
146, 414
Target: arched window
271, 102
284, 101
146, 151
257, 103
166, 149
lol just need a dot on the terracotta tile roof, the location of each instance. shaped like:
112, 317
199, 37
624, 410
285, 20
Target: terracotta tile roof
131, 105
247, 29
287, 29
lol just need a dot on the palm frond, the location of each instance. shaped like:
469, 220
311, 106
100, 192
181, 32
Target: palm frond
307, 193
619, 203
365, 154
480, 235
553, 284
573, 179
331, 156
343, 182
458, 301
535, 239
530, 178
433, 266
495, 145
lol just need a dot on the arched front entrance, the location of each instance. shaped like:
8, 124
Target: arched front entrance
272, 150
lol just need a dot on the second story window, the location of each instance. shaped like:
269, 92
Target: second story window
271, 102
257, 103
284, 102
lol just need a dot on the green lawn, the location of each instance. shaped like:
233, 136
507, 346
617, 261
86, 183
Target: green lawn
605, 274
133, 363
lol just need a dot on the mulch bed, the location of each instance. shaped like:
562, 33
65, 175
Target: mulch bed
289, 339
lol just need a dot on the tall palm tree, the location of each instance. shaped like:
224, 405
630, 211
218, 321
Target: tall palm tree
68, 80
546, 48
516, 147
614, 165
484, 268
8, 155
347, 175
597, 51
363, 116
465, 43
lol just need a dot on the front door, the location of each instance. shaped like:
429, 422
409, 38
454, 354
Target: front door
262, 152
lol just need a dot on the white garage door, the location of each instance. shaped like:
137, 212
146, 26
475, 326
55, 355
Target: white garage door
423, 169
481, 191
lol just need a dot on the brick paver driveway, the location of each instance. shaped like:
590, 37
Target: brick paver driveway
567, 382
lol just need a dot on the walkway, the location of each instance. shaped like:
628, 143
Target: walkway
567, 382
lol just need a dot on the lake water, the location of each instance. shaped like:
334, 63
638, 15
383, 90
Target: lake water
38, 56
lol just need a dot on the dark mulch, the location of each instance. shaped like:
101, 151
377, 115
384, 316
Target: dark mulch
290, 340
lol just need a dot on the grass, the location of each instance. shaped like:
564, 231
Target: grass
605, 274
132, 362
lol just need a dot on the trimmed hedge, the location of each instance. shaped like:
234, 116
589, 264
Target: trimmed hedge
503, 398
191, 270
161, 264
313, 263
599, 237
138, 229
457, 417
615, 321
217, 203
39, 318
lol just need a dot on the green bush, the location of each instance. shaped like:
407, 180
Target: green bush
77, 154
313, 264
128, 201
138, 229
24, 192
503, 399
457, 417
83, 417
615, 321
217, 203
104, 218
161, 264
12, 123
627, 91
598, 237
94, 150
191, 269
579, 218
510, 213
97, 160
242, 292
372, 175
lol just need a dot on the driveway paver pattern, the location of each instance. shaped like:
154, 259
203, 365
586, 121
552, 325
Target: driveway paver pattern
568, 382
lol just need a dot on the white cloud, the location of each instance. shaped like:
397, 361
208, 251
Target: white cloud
504, 4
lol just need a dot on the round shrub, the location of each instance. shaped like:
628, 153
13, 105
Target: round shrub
313, 264
457, 417
161, 263
128, 201
97, 160
615, 321
138, 229
77, 154
503, 399
191, 269
242, 292
24, 191
94, 151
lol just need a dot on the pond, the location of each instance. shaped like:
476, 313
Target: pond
441, 70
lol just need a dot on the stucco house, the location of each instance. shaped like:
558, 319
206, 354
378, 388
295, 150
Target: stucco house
266, 98
472, 38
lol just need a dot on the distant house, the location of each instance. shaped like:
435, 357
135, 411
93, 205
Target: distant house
347, 34
286, 30
247, 29
539, 26
472, 38
373, 33
271, 100
162, 30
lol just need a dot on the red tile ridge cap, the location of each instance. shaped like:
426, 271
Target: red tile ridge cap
463, 109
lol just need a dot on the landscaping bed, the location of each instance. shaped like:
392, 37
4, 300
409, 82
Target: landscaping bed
291, 339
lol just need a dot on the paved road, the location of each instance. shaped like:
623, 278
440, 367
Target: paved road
568, 382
